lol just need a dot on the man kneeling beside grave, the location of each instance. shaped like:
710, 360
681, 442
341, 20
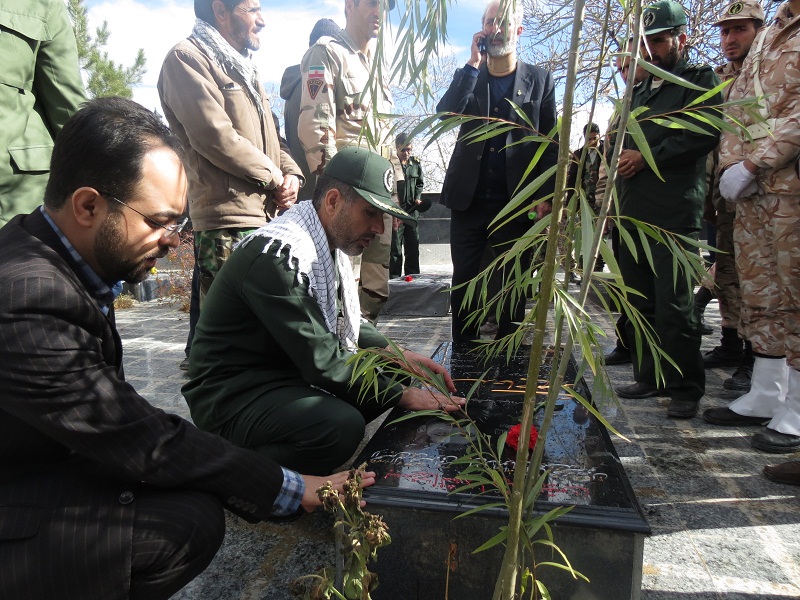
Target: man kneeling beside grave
103, 495
269, 363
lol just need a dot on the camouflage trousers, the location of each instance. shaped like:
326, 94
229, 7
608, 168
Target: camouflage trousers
373, 284
766, 234
214, 247
726, 280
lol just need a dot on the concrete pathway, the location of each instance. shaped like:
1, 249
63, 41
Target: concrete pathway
721, 531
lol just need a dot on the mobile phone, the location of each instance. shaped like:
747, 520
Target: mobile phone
482, 45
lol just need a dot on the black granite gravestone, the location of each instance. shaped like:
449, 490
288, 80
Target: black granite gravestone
431, 557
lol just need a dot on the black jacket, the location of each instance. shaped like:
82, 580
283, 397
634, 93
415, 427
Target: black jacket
75, 437
534, 93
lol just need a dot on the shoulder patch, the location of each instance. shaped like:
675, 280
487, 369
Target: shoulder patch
315, 80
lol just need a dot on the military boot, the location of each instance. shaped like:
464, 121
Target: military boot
728, 353
740, 380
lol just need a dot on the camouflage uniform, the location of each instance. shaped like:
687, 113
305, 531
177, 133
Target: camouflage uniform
214, 247
726, 281
334, 107
767, 224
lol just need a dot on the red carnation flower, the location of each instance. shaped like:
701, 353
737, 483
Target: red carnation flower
512, 439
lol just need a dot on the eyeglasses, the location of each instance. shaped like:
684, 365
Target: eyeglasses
169, 230
407, 149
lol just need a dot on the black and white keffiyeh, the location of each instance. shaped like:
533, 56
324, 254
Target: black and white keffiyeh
227, 58
300, 234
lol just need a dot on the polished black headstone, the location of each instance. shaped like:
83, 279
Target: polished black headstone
416, 478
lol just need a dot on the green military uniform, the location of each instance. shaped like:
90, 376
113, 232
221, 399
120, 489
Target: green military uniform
335, 107
674, 204
266, 372
406, 238
40, 88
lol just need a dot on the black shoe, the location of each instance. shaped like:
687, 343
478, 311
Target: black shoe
725, 416
788, 472
740, 380
682, 409
573, 278
775, 442
184, 366
704, 328
721, 357
638, 390
618, 356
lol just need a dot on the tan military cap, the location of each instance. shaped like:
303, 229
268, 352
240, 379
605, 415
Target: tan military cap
741, 9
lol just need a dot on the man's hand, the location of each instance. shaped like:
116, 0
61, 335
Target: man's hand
286, 194
475, 56
541, 210
423, 399
415, 361
630, 163
310, 499
737, 182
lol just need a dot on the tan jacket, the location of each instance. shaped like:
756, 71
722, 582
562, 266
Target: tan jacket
779, 73
336, 101
233, 154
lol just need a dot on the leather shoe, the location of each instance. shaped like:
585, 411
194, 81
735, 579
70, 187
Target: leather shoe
725, 416
788, 472
638, 390
775, 442
618, 356
682, 409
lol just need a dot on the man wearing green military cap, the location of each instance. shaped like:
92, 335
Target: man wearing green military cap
671, 199
269, 363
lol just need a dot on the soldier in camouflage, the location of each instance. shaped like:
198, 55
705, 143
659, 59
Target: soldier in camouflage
738, 24
336, 111
760, 181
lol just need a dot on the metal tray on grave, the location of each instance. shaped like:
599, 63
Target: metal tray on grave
431, 557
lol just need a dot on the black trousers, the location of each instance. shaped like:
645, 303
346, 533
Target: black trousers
469, 235
75, 533
668, 305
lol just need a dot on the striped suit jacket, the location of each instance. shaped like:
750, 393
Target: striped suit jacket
77, 441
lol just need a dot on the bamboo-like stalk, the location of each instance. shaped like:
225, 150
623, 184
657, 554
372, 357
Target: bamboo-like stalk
505, 588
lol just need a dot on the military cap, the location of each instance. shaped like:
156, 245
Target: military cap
741, 9
663, 16
370, 175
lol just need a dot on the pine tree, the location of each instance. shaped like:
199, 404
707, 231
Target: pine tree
104, 76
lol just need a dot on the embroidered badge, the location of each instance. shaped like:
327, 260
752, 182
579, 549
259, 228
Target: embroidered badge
649, 18
316, 79
388, 180
736, 8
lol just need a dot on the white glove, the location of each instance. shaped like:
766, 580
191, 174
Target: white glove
737, 182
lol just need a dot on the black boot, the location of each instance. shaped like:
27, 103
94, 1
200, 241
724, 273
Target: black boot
701, 300
740, 380
728, 353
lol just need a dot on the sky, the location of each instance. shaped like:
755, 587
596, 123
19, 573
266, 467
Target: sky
157, 25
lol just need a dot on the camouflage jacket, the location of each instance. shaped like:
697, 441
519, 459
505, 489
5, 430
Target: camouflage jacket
714, 201
335, 102
779, 73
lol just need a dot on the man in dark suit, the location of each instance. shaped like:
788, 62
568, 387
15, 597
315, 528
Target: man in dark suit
482, 177
101, 494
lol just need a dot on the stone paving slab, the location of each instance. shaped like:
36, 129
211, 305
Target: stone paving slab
721, 531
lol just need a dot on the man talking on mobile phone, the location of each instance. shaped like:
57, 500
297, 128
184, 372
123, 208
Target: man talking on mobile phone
482, 177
